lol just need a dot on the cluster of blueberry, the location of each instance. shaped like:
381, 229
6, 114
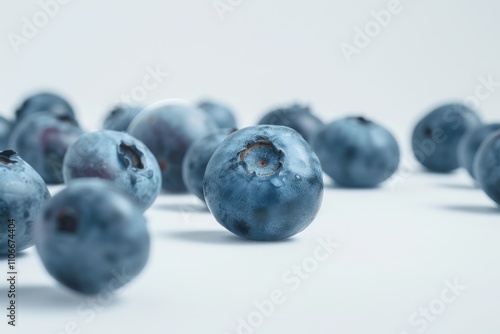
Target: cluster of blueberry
119, 171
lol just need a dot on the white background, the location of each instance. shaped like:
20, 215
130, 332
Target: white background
397, 244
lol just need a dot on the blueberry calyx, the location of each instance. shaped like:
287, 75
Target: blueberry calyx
261, 158
363, 120
5, 157
428, 132
131, 155
67, 222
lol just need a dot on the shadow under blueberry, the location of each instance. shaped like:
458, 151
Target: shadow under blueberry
457, 186
218, 238
43, 298
475, 209
336, 186
191, 208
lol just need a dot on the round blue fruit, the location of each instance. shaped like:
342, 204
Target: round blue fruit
221, 114
470, 143
487, 166
42, 139
297, 117
168, 129
117, 157
5, 129
45, 102
23, 193
120, 117
356, 152
196, 160
436, 137
92, 238
264, 183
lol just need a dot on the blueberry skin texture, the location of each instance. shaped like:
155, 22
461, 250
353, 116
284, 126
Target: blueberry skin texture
470, 143
297, 117
196, 160
356, 152
120, 117
45, 101
436, 137
5, 129
221, 114
168, 129
42, 139
117, 157
91, 237
23, 193
264, 183
487, 166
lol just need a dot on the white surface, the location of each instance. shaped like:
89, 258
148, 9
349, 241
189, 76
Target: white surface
397, 246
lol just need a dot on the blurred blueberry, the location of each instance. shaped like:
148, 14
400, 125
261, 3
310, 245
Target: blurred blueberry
196, 160
436, 137
5, 129
222, 115
22, 197
117, 157
297, 117
264, 183
120, 117
42, 139
487, 166
470, 143
48, 102
92, 238
356, 152
168, 129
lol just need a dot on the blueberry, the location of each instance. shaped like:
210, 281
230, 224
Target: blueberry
120, 117
470, 143
356, 152
45, 101
264, 183
42, 139
91, 237
222, 115
168, 129
22, 197
5, 129
487, 166
196, 160
436, 137
297, 117
117, 157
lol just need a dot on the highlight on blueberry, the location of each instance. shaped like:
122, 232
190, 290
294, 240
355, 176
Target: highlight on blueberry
264, 183
117, 157
23, 193
168, 128
436, 137
42, 139
357, 152
92, 237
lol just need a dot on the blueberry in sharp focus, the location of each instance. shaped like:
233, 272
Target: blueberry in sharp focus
168, 128
117, 157
436, 137
196, 160
221, 114
470, 143
297, 117
42, 139
23, 193
92, 238
264, 183
45, 101
5, 129
120, 117
356, 152
487, 166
